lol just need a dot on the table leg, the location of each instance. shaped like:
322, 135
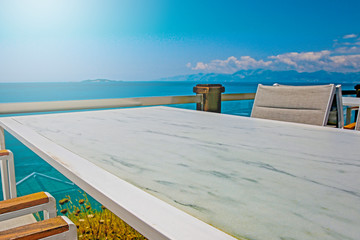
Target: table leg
2, 139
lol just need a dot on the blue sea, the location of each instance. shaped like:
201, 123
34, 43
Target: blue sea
33, 174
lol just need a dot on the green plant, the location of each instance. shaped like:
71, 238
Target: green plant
96, 223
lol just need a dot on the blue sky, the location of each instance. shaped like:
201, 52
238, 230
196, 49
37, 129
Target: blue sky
73, 40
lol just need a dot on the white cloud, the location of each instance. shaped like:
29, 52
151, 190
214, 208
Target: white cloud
350, 36
231, 64
293, 58
301, 62
347, 50
343, 59
345, 62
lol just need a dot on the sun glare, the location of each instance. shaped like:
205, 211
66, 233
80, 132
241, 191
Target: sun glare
37, 16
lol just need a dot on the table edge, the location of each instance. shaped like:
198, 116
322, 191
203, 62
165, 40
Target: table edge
159, 220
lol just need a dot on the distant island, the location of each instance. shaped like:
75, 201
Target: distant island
100, 80
269, 76
259, 76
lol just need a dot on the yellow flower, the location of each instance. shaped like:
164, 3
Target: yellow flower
62, 201
64, 211
81, 201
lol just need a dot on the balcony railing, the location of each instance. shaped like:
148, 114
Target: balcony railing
201, 99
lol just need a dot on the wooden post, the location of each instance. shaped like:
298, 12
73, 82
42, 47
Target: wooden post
211, 97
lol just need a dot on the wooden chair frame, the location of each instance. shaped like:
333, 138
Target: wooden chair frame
51, 227
28, 204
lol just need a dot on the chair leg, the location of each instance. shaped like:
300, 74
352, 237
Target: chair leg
339, 107
50, 208
72, 233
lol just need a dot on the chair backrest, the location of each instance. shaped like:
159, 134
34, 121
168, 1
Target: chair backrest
300, 104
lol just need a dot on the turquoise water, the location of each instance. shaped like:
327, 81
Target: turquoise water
33, 174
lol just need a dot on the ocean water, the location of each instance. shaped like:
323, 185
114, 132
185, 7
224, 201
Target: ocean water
33, 174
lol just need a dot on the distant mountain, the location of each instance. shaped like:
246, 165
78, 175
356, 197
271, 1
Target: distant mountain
269, 77
99, 80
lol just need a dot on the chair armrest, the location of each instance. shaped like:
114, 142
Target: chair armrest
19, 203
58, 228
32, 203
4, 153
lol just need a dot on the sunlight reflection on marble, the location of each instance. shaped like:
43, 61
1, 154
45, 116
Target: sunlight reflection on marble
251, 178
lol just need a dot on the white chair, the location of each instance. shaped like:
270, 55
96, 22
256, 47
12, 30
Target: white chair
299, 104
352, 103
51, 227
355, 125
16, 219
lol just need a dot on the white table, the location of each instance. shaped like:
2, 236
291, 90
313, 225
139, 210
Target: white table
161, 169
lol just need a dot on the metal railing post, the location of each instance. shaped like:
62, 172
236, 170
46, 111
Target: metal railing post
211, 97
357, 89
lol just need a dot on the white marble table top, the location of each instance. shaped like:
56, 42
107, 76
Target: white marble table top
351, 101
251, 178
